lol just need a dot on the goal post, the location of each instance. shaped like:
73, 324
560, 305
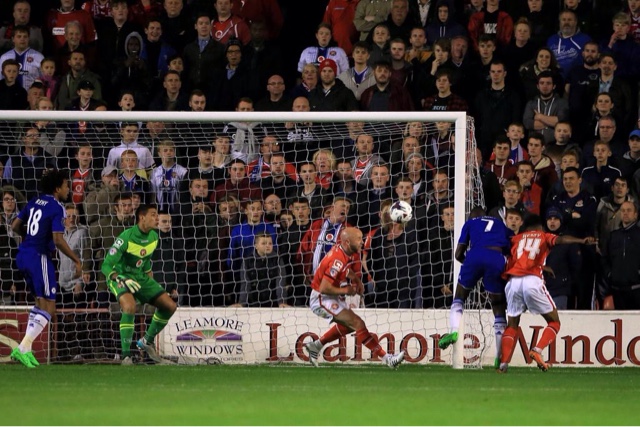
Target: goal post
386, 127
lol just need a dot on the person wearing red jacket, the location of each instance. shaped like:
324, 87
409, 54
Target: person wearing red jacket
340, 14
267, 11
490, 20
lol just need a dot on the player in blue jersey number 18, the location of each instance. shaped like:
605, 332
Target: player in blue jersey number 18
41, 225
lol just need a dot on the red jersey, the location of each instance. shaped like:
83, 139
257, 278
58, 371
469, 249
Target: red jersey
529, 251
334, 266
56, 21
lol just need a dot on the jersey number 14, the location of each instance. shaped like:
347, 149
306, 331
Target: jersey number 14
531, 246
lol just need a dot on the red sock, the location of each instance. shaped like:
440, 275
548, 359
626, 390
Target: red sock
370, 341
548, 335
334, 332
508, 344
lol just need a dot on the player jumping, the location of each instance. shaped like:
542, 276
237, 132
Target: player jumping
44, 217
327, 299
488, 241
127, 267
526, 290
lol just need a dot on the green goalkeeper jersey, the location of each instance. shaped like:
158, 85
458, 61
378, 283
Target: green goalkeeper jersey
131, 253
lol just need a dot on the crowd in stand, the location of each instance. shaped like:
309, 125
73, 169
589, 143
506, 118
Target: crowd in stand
249, 209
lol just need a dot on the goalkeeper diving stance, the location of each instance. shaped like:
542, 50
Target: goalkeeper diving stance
127, 267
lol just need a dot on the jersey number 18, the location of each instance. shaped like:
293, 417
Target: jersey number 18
33, 224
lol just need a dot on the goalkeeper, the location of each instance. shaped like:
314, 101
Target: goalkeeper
127, 267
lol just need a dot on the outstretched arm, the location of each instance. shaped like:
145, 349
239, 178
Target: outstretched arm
567, 240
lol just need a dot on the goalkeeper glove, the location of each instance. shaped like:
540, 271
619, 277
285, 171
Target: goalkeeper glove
130, 284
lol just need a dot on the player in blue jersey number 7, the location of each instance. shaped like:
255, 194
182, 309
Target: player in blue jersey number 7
484, 242
44, 218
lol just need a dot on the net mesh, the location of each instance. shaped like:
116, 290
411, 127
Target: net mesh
218, 186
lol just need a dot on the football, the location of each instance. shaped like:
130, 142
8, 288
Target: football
401, 212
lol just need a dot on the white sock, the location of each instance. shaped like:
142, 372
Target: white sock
499, 325
455, 314
38, 320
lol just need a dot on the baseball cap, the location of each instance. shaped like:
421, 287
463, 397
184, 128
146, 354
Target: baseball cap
86, 84
329, 63
635, 133
108, 170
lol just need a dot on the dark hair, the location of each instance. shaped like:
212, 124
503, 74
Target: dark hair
122, 196
514, 211
143, 209
502, 139
299, 200
532, 221
362, 45
547, 75
21, 29
52, 179
487, 38
537, 136
571, 169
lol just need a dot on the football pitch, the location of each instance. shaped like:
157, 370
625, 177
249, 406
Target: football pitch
303, 395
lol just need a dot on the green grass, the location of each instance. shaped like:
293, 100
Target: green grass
302, 395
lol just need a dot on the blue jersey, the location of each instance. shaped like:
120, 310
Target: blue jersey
43, 216
479, 234
484, 231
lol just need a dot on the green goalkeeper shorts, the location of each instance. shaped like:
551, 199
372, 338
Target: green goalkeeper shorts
149, 289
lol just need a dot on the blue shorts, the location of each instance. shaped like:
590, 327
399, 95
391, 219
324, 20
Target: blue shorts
486, 264
39, 273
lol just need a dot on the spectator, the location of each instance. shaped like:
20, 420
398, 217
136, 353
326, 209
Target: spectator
155, 51
277, 100
439, 145
227, 25
27, 167
82, 178
308, 83
340, 14
28, 58
227, 216
130, 132
98, 202
394, 264
622, 262
515, 133
78, 73
520, 50
104, 232
568, 43
261, 167
607, 132
323, 235
602, 107
343, 184
318, 54
309, 189
437, 291
288, 244
496, 106
266, 11
491, 21
264, 56
12, 95
582, 86
84, 101
8, 250
618, 89
444, 24
385, 95
237, 184
634, 12
172, 98
511, 194
439, 195
630, 161
325, 162
545, 174
543, 112
198, 229
541, 62
380, 46
57, 19
234, 83
130, 71
332, 94
203, 56
73, 37
359, 77
168, 260
168, 179
444, 100
370, 13
500, 164
177, 25
608, 213
205, 170
263, 275
21, 16
143, 12
399, 21
564, 260
243, 239
365, 159
370, 198
622, 45
531, 196
131, 177
562, 133
602, 175
418, 52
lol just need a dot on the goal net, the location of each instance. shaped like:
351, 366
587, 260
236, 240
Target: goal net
249, 203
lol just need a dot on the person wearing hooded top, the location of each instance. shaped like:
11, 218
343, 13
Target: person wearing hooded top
568, 43
131, 72
444, 24
564, 260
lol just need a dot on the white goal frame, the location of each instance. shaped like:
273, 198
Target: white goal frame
459, 119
